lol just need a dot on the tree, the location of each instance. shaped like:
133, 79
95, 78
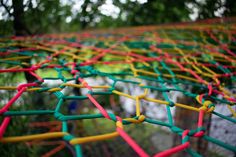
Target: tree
28, 19
89, 11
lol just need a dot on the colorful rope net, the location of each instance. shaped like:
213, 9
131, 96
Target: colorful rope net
201, 55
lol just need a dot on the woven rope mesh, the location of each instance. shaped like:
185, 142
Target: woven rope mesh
107, 88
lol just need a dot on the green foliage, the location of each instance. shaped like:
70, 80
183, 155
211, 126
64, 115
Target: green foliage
209, 8
6, 27
49, 16
155, 12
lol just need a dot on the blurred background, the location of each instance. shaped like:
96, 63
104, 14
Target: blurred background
50, 16
31, 17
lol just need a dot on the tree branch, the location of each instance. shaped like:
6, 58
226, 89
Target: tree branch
6, 7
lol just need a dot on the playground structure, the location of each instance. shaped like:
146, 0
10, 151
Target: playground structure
201, 55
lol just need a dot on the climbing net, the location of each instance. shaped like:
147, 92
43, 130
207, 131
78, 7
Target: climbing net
162, 59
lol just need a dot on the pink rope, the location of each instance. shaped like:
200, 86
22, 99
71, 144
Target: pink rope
5, 108
173, 150
132, 143
100, 108
4, 125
